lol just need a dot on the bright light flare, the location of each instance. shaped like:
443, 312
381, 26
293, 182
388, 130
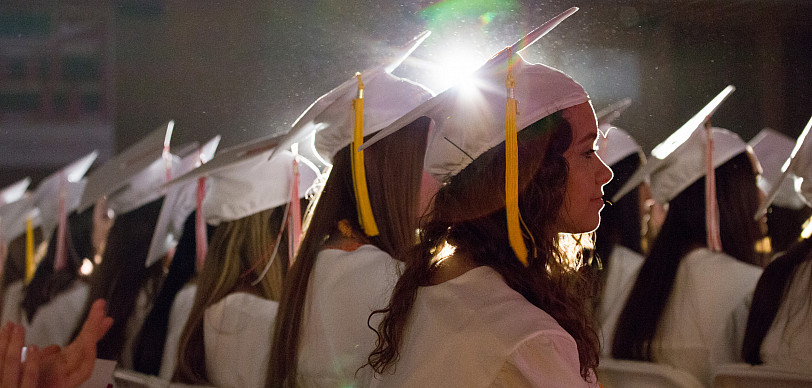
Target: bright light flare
442, 253
456, 68
87, 267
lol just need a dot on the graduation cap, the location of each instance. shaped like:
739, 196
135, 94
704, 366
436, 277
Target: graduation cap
615, 144
14, 191
56, 196
673, 141
242, 181
67, 184
799, 167
772, 149
694, 151
116, 173
474, 117
606, 115
361, 106
179, 202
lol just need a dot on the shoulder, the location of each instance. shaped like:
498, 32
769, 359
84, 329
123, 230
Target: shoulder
544, 360
239, 309
706, 263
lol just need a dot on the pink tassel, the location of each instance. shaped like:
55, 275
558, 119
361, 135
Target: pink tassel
60, 261
711, 205
295, 225
200, 224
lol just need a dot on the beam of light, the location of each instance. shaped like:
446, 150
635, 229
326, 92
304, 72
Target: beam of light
455, 67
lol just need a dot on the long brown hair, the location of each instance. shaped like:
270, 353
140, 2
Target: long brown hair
684, 230
237, 254
394, 167
469, 213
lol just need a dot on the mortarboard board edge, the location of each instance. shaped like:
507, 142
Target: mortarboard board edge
785, 171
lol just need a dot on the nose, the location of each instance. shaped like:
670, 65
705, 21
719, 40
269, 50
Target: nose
604, 174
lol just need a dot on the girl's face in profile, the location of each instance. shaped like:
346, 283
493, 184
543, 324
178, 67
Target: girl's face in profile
583, 199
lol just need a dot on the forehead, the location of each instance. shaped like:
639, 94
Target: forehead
582, 119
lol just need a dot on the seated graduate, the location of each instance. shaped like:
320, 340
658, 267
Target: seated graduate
51, 302
787, 210
779, 326
226, 339
366, 213
618, 239
175, 243
131, 182
700, 266
491, 295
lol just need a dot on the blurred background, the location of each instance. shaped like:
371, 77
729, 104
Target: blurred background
82, 75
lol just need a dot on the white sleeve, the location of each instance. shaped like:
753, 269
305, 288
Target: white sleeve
544, 360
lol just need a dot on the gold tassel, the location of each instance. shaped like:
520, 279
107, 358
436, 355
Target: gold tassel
365, 216
30, 265
512, 169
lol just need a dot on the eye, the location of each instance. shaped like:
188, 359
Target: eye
590, 152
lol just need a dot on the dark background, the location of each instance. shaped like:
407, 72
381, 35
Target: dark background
82, 75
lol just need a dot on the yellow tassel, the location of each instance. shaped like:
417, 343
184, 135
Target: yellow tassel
512, 169
365, 216
30, 265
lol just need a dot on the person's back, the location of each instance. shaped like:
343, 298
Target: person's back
489, 332
344, 289
706, 290
237, 337
789, 339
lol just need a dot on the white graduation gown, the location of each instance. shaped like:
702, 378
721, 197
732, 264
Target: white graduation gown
475, 331
13, 297
237, 334
623, 267
54, 322
344, 288
178, 315
789, 340
707, 289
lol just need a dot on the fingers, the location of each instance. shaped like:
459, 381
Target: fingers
96, 324
12, 363
30, 376
5, 336
80, 355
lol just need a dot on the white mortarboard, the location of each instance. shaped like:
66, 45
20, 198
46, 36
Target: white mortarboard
46, 196
13, 217
672, 142
180, 201
772, 149
615, 144
254, 184
243, 181
386, 97
687, 163
799, 167
470, 119
14, 191
116, 173
612, 112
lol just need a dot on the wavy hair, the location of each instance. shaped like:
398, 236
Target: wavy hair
469, 213
394, 199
